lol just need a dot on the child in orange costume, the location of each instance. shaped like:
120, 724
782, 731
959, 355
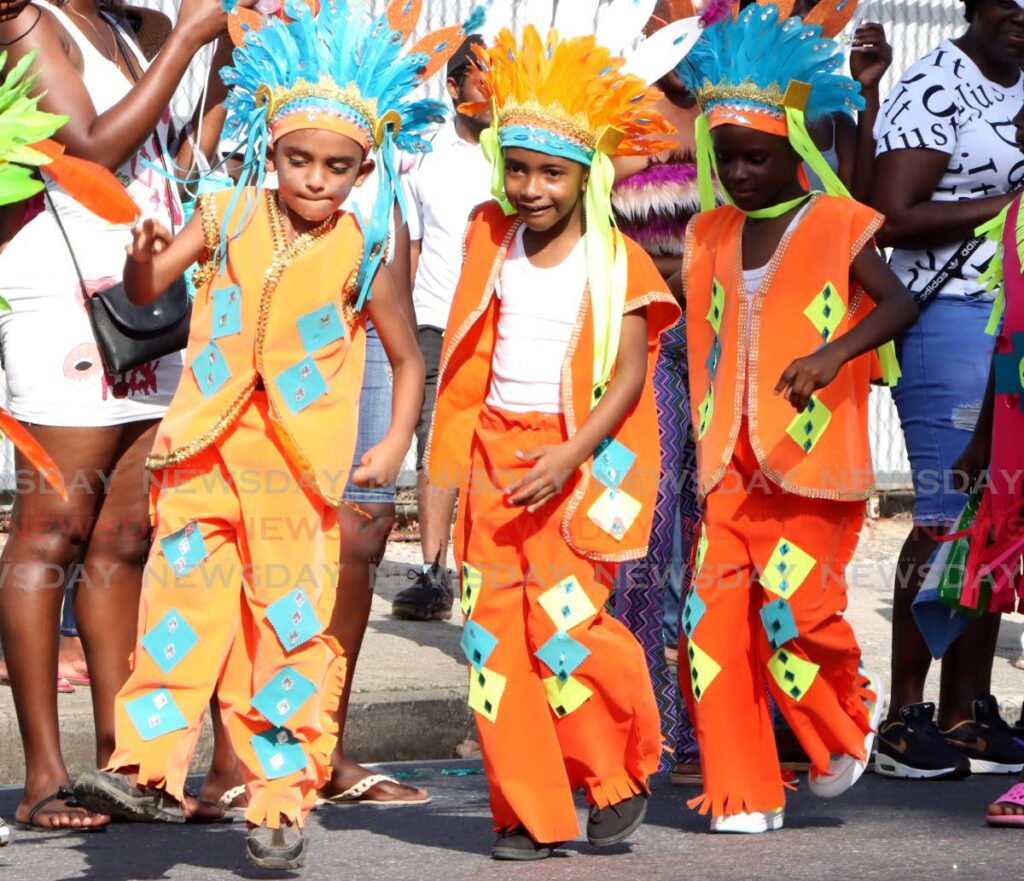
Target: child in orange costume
542, 391
252, 458
778, 322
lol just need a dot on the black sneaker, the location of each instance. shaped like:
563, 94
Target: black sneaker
282, 848
913, 748
516, 844
988, 741
115, 796
429, 599
615, 823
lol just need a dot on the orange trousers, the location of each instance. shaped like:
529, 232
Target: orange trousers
561, 692
239, 584
766, 604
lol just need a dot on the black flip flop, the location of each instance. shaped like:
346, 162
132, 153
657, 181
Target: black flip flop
64, 794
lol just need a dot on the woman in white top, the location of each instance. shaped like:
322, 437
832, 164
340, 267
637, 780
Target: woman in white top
947, 162
98, 428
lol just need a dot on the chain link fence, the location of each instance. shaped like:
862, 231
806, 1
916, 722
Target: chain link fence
913, 26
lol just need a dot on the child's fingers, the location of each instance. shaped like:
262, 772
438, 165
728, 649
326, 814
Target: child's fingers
528, 494
530, 455
364, 476
525, 479
785, 381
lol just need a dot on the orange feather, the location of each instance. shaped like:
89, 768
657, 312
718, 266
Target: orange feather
32, 450
439, 46
832, 15
240, 22
403, 15
89, 184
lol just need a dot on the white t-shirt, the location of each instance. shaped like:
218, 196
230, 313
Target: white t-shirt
440, 192
945, 103
536, 314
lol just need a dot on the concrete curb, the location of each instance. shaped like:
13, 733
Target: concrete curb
383, 727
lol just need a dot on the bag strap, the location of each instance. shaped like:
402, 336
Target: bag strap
67, 240
952, 266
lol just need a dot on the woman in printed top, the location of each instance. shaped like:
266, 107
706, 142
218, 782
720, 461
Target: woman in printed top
97, 426
947, 162
995, 454
554, 327
786, 300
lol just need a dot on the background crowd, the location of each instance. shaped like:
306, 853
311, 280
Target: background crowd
939, 155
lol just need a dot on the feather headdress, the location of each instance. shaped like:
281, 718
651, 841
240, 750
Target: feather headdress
569, 88
345, 70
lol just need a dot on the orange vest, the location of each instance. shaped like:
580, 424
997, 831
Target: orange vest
282, 314
806, 299
625, 504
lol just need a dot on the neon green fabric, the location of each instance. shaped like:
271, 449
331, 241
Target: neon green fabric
992, 278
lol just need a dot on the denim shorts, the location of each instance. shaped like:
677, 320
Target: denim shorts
374, 418
945, 360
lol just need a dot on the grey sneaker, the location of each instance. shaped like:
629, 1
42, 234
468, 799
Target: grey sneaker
430, 598
282, 848
114, 795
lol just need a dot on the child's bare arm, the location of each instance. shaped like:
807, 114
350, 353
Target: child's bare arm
156, 258
553, 465
381, 463
895, 311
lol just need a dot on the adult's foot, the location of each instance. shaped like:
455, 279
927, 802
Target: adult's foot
1008, 809
283, 848
987, 740
50, 806
71, 663
224, 788
347, 775
430, 598
118, 796
912, 748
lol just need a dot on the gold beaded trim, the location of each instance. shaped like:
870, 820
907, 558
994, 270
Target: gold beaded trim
211, 241
155, 462
743, 93
553, 117
277, 99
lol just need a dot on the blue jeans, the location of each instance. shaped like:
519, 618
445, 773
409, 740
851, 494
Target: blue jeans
945, 360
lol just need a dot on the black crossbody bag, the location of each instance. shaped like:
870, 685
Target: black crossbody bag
952, 268
128, 335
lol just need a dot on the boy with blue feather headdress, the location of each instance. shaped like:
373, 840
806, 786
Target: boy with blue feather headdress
254, 453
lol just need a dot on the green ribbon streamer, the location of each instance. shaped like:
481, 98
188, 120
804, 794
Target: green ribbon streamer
491, 147
778, 210
705, 162
804, 145
992, 277
606, 267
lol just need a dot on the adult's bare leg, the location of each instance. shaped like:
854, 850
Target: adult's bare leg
363, 542
107, 594
48, 536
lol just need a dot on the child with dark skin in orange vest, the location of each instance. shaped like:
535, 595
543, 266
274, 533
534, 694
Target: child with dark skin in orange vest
786, 302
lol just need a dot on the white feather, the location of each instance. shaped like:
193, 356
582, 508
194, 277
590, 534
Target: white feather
659, 54
576, 18
621, 22
539, 13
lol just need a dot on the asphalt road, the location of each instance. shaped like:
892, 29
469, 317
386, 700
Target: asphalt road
887, 830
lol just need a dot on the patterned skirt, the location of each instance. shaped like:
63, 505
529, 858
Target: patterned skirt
648, 592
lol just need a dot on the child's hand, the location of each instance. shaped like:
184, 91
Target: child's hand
552, 467
806, 375
379, 466
148, 239
871, 55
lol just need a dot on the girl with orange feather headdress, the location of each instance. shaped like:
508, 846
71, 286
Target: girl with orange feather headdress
554, 326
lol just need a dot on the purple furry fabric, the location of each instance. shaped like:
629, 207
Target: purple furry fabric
654, 206
660, 174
